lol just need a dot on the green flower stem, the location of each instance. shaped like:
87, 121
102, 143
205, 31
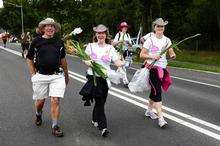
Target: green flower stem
121, 44
174, 46
96, 68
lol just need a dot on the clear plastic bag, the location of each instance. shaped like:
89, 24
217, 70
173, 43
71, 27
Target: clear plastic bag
128, 61
114, 77
140, 81
122, 72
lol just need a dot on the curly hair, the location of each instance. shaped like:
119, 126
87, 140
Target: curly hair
108, 39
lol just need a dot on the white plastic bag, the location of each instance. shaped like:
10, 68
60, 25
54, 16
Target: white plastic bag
122, 72
109, 83
114, 77
140, 81
128, 61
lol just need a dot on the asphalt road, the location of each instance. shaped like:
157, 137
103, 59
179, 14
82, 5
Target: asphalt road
191, 106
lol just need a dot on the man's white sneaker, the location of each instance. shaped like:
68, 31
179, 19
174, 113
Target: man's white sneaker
151, 114
161, 122
95, 124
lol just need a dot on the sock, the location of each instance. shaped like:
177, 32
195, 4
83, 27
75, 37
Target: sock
161, 118
54, 123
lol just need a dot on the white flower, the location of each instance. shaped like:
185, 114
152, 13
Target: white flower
76, 31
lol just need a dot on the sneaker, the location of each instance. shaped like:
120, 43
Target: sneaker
105, 132
95, 124
56, 131
151, 114
161, 122
38, 120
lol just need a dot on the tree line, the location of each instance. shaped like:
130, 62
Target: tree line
186, 17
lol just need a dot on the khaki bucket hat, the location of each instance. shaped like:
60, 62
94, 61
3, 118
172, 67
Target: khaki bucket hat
100, 28
47, 21
160, 21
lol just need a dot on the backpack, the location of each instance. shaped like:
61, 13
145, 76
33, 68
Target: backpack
119, 35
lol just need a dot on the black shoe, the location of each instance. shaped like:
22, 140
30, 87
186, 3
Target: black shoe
87, 103
56, 131
38, 120
126, 85
105, 132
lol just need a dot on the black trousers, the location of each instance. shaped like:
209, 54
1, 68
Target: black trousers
98, 94
98, 114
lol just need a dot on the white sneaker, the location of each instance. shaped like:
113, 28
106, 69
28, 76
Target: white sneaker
95, 124
161, 122
105, 132
151, 114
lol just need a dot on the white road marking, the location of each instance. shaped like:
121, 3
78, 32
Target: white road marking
202, 83
180, 121
188, 80
11, 51
187, 116
209, 72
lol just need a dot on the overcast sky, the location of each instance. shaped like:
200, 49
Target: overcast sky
1, 4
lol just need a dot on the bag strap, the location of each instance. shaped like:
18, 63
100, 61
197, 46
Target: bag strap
119, 35
109, 49
151, 41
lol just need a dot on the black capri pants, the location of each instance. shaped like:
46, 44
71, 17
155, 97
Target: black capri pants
156, 85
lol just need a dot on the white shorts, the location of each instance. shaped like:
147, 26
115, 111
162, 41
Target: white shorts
48, 86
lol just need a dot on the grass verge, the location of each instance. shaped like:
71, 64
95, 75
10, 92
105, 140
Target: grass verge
201, 60
196, 66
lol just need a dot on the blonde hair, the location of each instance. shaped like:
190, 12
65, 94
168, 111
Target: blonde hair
107, 40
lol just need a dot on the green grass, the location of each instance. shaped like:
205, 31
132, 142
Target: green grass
196, 66
200, 57
201, 60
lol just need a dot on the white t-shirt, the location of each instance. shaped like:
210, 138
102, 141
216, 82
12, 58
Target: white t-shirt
126, 37
155, 45
148, 35
100, 53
